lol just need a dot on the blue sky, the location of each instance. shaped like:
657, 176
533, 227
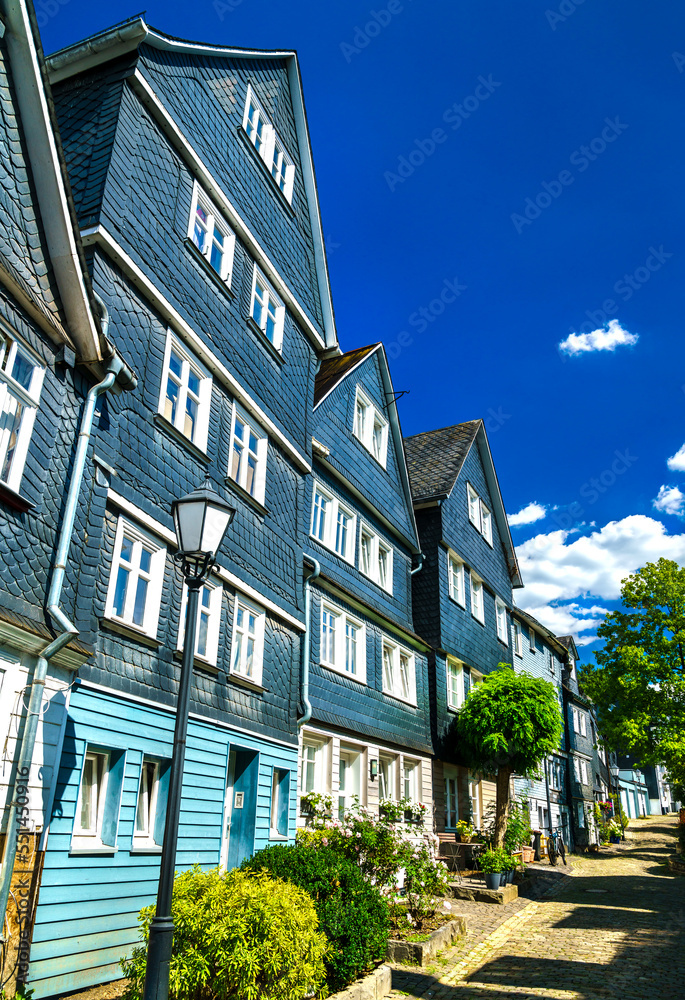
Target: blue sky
495, 177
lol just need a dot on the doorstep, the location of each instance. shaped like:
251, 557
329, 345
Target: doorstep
502, 896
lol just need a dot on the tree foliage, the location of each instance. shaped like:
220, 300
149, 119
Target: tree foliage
638, 681
508, 725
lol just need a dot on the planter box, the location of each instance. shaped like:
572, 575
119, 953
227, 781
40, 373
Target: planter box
421, 952
375, 986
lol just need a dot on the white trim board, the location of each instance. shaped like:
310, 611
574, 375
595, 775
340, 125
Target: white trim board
99, 235
169, 537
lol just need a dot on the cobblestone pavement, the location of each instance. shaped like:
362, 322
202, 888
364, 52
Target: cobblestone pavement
615, 930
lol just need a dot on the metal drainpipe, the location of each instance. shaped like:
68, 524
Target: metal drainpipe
417, 569
56, 613
306, 645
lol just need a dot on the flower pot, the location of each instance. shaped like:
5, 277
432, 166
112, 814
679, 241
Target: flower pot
492, 880
463, 838
615, 838
510, 877
503, 878
528, 855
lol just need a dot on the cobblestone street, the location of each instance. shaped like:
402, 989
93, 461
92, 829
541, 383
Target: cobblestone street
615, 929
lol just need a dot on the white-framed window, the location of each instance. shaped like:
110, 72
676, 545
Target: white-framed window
136, 578
211, 234
248, 454
398, 672
455, 577
501, 611
343, 642
477, 600
583, 723
584, 773
387, 777
208, 621
455, 683
266, 309
247, 646
552, 662
375, 559
21, 381
480, 514
531, 636
280, 803
576, 720
411, 780
146, 806
581, 814
265, 140
349, 779
313, 766
371, 427
333, 524
518, 639
90, 807
451, 800
185, 398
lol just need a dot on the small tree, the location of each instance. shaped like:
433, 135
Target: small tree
508, 725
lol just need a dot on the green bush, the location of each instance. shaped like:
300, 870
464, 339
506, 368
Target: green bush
518, 827
237, 936
352, 913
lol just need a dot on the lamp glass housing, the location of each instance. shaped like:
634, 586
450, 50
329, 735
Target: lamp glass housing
201, 519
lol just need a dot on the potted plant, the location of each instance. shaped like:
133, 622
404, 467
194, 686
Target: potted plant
510, 868
464, 831
391, 810
315, 804
492, 864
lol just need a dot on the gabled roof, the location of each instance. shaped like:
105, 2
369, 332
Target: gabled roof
435, 459
333, 371
48, 173
542, 629
569, 643
131, 34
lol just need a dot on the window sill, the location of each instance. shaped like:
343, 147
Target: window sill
145, 849
15, 500
199, 663
130, 631
383, 465
398, 697
246, 682
285, 204
343, 673
168, 428
209, 270
247, 497
265, 342
477, 619
348, 562
77, 851
455, 600
375, 582
278, 837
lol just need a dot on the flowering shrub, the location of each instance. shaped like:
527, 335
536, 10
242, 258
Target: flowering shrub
426, 883
317, 805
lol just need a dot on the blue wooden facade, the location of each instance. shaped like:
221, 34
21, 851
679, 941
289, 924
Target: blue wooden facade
368, 735
470, 570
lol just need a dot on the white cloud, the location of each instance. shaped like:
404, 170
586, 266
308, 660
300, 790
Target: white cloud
676, 463
606, 338
568, 619
557, 570
670, 500
527, 515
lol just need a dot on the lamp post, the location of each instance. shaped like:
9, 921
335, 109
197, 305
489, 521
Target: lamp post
201, 519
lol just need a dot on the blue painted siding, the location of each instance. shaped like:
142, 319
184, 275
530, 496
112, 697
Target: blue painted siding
88, 906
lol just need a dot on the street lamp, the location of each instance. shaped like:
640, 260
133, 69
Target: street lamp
201, 519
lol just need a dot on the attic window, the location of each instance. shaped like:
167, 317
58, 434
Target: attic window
371, 427
265, 140
480, 515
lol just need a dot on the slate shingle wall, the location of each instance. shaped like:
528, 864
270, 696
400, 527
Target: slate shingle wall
364, 708
425, 584
333, 426
216, 89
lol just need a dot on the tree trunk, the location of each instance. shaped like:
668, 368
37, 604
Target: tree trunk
502, 806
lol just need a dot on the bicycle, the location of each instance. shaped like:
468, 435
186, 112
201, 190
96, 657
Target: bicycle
555, 847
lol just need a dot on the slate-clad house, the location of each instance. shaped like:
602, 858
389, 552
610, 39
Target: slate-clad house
462, 597
365, 732
580, 744
52, 354
537, 651
195, 197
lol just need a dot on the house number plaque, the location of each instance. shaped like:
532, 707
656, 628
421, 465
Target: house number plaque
238, 803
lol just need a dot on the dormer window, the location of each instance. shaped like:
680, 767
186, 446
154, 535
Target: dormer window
370, 427
266, 142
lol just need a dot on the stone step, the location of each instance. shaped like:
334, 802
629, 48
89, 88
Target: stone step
479, 894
